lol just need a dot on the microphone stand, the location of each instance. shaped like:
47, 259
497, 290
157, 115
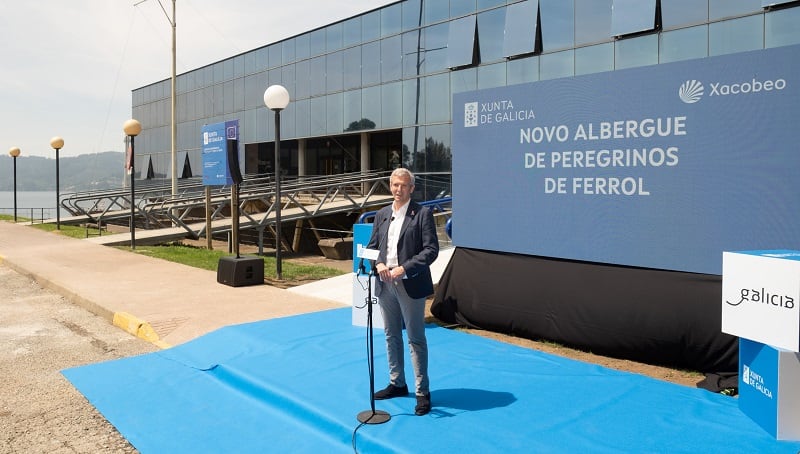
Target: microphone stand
371, 416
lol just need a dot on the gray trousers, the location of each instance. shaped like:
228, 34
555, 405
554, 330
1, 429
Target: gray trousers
398, 308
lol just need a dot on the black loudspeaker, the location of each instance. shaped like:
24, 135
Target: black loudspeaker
240, 271
232, 148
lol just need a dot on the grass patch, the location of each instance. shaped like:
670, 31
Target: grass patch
72, 231
209, 260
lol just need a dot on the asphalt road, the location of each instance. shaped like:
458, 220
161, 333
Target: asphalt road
41, 333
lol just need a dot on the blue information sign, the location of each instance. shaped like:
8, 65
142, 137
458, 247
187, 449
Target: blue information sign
216, 171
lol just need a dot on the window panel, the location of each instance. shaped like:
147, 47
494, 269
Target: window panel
262, 59
334, 72
556, 65
219, 107
302, 47
302, 85
436, 11
335, 113
391, 59
463, 80
460, 8
390, 20
634, 52
461, 42
288, 51
736, 35
413, 102
371, 105
227, 97
275, 55
249, 63
437, 97
412, 14
371, 63
288, 80
274, 77
238, 94
238, 66
720, 9
594, 59
438, 156
492, 76
558, 24
593, 21
435, 47
413, 61
352, 110
491, 28
684, 44
392, 105
522, 70
351, 32
351, 61
319, 114
302, 117
317, 76
484, 4
219, 73
413, 144
227, 69
520, 33
632, 16
680, 13
333, 37
288, 126
371, 26
316, 42
781, 27
248, 127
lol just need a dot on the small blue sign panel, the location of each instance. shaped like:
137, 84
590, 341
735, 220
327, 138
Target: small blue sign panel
215, 157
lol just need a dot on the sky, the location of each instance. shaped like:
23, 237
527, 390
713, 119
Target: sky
67, 67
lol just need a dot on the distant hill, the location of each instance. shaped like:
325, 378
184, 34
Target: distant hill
76, 173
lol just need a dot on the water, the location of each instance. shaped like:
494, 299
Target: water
30, 204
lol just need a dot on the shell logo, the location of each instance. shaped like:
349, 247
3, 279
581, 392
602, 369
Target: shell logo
691, 91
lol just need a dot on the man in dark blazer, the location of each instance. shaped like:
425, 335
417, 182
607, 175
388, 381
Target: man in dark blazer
404, 233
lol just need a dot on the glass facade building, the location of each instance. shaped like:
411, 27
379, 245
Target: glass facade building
374, 91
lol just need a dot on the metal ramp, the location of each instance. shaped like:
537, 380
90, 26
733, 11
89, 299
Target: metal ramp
165, 218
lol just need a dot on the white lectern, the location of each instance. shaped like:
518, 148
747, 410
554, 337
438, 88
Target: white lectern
760, 296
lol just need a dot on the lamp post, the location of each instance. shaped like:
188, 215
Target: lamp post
57, 143
14, 152
132, 128
276, 98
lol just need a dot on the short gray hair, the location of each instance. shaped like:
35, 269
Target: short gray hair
403, 172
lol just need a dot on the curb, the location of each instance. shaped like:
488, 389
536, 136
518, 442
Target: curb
138, 328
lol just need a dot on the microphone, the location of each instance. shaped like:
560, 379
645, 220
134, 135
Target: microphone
361, 268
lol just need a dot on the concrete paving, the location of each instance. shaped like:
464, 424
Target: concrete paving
163, 302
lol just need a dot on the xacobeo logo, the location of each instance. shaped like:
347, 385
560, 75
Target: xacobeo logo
693, 90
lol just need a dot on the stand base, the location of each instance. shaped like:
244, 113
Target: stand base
373, 417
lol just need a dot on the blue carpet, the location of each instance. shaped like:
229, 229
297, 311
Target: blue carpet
296, 385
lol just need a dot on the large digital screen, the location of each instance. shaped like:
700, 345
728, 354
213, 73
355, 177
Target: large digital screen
663, 167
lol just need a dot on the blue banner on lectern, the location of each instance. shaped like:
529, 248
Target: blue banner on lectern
663, 167
216, 171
